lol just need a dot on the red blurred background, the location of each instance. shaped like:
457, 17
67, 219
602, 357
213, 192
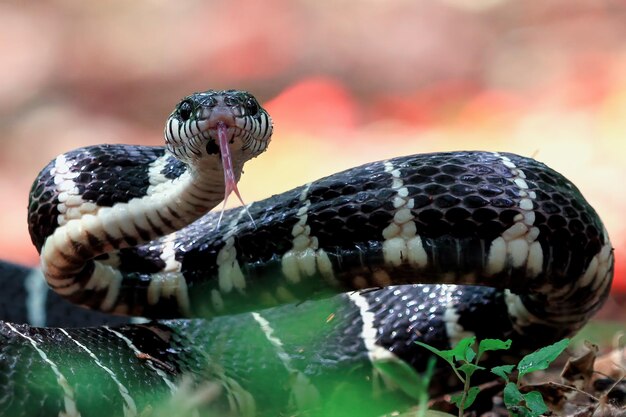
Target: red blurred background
346, 82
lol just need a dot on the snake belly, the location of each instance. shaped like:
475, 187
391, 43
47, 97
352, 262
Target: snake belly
305, 300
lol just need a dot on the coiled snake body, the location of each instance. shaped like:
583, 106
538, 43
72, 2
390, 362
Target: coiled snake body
454, 244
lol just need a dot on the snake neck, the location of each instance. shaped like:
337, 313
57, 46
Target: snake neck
184, 199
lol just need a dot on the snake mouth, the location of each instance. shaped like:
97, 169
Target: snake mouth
220, 136
247, 140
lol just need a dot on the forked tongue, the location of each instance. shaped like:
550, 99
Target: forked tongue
230, 183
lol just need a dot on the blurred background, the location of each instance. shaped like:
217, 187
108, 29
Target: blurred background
347, 82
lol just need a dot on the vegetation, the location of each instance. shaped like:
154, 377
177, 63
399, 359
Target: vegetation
464, 359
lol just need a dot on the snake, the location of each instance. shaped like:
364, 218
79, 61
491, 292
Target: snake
294, 304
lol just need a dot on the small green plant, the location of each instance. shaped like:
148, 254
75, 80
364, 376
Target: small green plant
464, 362
530, 404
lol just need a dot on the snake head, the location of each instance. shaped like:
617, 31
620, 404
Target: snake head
229, 124
192, 130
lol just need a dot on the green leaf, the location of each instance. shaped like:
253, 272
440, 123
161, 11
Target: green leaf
512, 395
460, 350
457, 353
528, 405
535, 403
456, 399
469, 368
503, 371
446, 355
469, 354
493, 344
471, 396
541, 358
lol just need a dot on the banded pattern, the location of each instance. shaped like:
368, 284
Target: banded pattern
124, 229
94, 202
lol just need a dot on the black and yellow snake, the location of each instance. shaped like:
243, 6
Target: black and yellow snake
429, 247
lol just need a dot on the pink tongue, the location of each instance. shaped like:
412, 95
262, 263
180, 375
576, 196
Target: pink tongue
230, 183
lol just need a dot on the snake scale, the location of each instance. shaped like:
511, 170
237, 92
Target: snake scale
279, 306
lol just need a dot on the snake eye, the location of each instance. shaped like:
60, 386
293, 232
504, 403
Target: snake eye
252, 107
184, 110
